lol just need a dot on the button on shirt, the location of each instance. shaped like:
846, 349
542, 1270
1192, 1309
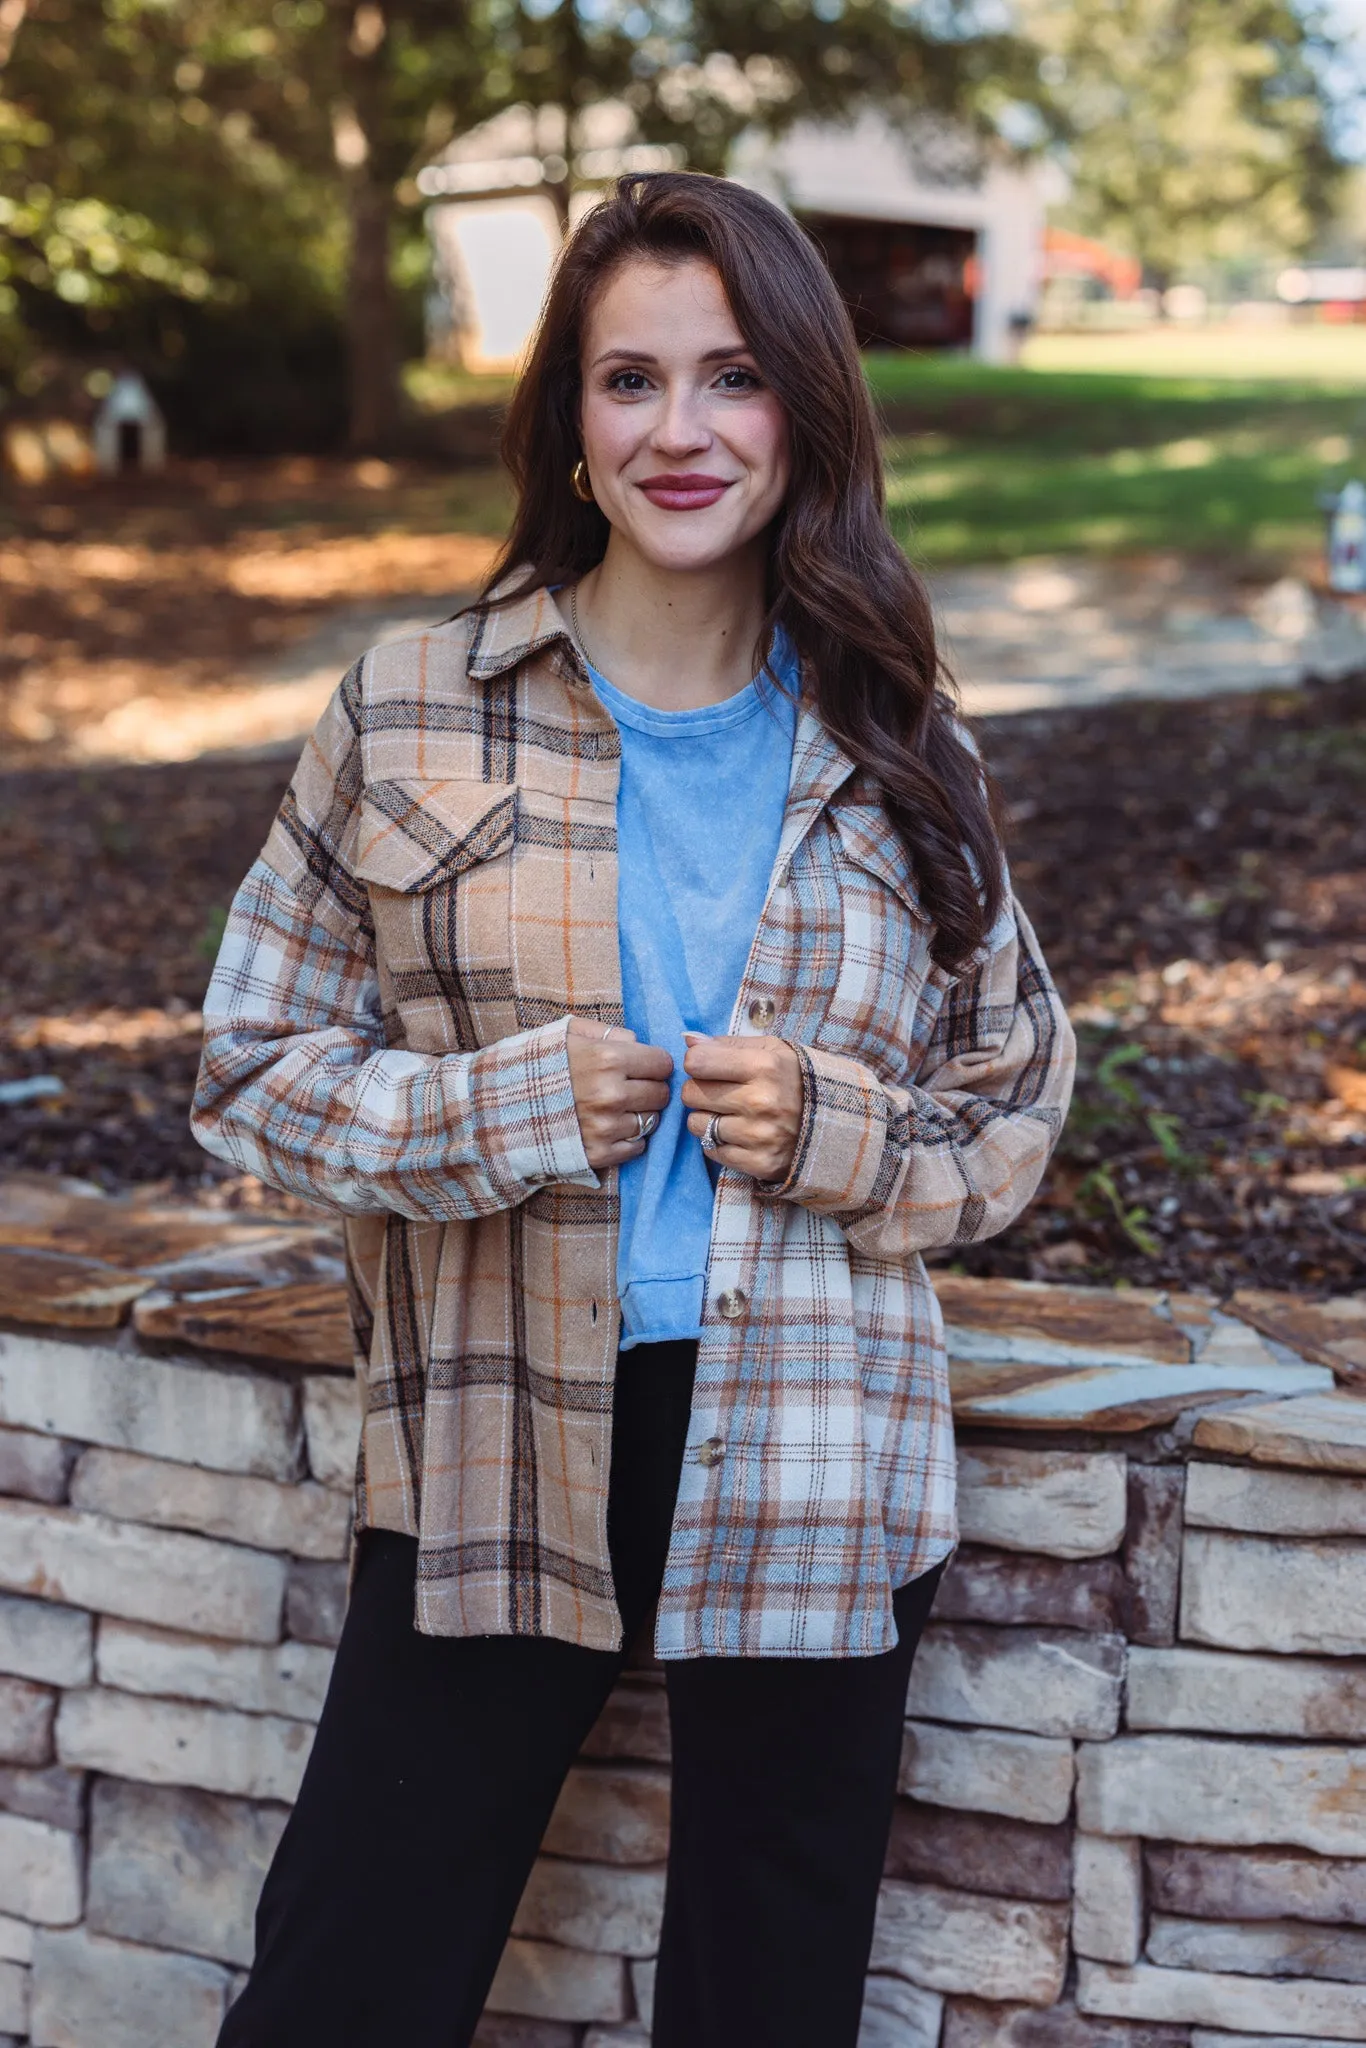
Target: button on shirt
699, 816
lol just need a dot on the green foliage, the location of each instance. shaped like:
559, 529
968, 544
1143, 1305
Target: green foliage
1197, 129
1100, 1195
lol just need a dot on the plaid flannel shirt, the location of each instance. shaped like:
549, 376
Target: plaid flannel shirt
385, 1033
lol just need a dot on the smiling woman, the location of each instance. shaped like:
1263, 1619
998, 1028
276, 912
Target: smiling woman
633, 961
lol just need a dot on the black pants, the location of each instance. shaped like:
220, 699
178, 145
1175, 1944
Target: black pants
438, 1760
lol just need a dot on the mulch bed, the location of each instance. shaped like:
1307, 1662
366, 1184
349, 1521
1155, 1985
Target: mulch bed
1196, 871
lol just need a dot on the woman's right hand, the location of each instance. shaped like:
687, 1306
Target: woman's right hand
614, 1079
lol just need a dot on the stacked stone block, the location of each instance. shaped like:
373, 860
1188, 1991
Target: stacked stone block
1132, 1801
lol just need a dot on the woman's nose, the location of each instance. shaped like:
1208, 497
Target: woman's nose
681, 426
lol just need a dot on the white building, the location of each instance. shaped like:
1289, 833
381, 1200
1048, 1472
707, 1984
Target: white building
952, 260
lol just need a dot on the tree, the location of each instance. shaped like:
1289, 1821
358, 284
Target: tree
139, 219
1196, 129
217, 140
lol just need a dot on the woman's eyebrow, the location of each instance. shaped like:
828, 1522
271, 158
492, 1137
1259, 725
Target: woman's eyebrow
642, 355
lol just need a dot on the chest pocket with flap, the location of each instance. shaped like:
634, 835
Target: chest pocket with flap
437, 861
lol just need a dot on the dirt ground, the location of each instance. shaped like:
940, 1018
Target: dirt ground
117, 597
1197, 873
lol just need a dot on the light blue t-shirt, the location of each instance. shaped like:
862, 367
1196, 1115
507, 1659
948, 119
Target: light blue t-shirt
699, 817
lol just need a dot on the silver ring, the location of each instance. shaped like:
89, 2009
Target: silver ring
711, 1137
608, 1033
646, 1121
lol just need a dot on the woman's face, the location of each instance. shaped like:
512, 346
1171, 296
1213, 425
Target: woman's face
686, 446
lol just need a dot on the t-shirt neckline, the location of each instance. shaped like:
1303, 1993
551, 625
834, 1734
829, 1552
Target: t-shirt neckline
694, 718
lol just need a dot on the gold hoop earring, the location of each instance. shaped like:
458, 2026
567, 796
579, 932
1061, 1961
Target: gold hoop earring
578, 478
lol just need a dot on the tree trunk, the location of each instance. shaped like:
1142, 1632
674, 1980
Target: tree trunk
371, 322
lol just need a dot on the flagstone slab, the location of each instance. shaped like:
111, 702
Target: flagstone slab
1017, 1588
1299, 1597
1032, 1322
1255, 1884
1045, 1681
1069, 1504
289, 1254
135, 1238
1263, 1502
1107, 1898
1322, 1431
53, 1287
1208, 2037
1230, 1342
306, 1323
990, 1770
1152, 1552
969, 2023
896, 2014
1224, 1794
979, 1944
980, 1852
1216, 1998
179, 1244
1332, 1333
1265, 1948
1222, 1692
1114, 1398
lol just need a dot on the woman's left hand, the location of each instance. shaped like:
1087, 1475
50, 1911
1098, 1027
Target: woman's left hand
754, 1086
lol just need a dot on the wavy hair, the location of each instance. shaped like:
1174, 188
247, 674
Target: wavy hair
855, 609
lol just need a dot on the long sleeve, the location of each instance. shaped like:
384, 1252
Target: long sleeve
297, 1084
955, 1156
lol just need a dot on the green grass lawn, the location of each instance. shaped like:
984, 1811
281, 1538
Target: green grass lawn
1299, 354
989, 465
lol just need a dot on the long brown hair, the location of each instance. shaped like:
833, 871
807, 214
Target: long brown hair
855, 609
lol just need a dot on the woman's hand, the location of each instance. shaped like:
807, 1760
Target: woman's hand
615, 1079
754, 1086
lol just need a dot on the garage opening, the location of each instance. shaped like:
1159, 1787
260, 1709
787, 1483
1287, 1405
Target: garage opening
906, 284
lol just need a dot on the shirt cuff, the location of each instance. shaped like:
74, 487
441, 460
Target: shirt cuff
527, 1084
842, 1137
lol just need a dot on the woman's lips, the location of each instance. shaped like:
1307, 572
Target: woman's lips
687, 492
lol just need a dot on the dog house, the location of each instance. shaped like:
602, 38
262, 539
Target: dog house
130, 430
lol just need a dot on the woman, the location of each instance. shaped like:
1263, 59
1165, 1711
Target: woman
632, 964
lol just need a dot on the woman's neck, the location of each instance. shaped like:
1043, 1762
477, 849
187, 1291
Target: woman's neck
674, 640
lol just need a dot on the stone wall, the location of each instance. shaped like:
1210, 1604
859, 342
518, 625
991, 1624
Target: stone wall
1133, 1789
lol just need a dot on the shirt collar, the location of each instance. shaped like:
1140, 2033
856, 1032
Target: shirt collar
513, 623
510, 627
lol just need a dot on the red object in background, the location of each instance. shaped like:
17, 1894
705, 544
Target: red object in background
1070, 255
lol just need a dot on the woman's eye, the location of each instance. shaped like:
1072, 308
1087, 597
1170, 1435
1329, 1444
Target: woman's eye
628, 381
737, 379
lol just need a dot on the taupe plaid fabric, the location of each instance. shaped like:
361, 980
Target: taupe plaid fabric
386, 1033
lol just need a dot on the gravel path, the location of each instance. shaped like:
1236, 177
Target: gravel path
1033, 636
